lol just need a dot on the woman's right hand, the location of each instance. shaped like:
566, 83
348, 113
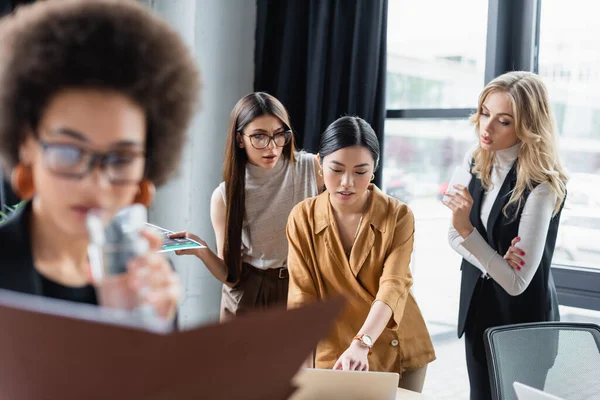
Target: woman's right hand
198, 252
150, 280
355, 358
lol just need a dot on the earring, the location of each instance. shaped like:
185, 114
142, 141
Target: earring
320, 172
145, 193
21, 180
240, 140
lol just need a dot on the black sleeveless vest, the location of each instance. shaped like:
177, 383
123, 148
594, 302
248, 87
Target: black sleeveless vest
539, 301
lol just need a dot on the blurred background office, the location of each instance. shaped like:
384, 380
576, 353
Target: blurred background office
413, 69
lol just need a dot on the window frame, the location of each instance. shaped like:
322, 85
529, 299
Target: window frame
513, 37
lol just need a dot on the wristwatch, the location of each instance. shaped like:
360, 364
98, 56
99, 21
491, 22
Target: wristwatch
365, 340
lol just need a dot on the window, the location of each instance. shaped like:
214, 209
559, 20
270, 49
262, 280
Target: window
438, 62
435, 61
569, 62
418, 154
436, 69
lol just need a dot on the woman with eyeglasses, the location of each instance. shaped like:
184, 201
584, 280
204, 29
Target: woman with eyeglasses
85, 123
264, 178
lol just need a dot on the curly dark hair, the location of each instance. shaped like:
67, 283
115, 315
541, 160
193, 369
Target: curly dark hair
115, 45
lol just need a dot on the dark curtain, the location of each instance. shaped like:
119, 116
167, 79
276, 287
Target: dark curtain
7, 6
323, 59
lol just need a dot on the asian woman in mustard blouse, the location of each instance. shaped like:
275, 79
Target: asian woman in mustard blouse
354, 240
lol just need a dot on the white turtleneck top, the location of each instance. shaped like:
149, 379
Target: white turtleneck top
533, 228
270, 196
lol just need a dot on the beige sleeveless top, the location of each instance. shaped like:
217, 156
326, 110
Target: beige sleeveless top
270, 197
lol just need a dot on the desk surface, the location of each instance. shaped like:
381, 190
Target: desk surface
404, 394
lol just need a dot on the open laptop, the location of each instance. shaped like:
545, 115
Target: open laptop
525, 392
345, 385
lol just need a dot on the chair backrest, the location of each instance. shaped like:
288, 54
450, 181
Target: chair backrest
557, 357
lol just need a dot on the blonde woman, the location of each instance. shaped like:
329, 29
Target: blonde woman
504, 224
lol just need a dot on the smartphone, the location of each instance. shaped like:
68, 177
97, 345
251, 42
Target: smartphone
169, 244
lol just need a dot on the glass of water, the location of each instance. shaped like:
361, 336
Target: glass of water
112, 245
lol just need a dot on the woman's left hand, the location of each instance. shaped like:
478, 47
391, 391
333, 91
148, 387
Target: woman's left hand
354, 358
514, 255
460, 202
152, 277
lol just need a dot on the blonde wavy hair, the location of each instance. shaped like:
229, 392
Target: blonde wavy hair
538, 160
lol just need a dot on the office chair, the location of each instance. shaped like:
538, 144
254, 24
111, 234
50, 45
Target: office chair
560, 358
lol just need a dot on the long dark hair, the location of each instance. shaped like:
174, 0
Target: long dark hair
245, 111
347, 132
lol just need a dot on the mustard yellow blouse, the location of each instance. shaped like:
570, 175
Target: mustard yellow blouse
377, 269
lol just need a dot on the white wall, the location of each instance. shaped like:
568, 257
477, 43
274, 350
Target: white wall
221, 33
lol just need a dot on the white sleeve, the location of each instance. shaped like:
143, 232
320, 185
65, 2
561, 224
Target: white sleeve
533, 229
454, 238
455, 241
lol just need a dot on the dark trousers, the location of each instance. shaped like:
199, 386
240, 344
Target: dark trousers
529, 366
477, 363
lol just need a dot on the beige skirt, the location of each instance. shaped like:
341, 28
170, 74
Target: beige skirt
257, 290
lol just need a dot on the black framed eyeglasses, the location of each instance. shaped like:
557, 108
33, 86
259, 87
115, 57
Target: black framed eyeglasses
261, 140
71, 161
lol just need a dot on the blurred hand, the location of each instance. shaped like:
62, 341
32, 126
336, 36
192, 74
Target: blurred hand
149, 280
